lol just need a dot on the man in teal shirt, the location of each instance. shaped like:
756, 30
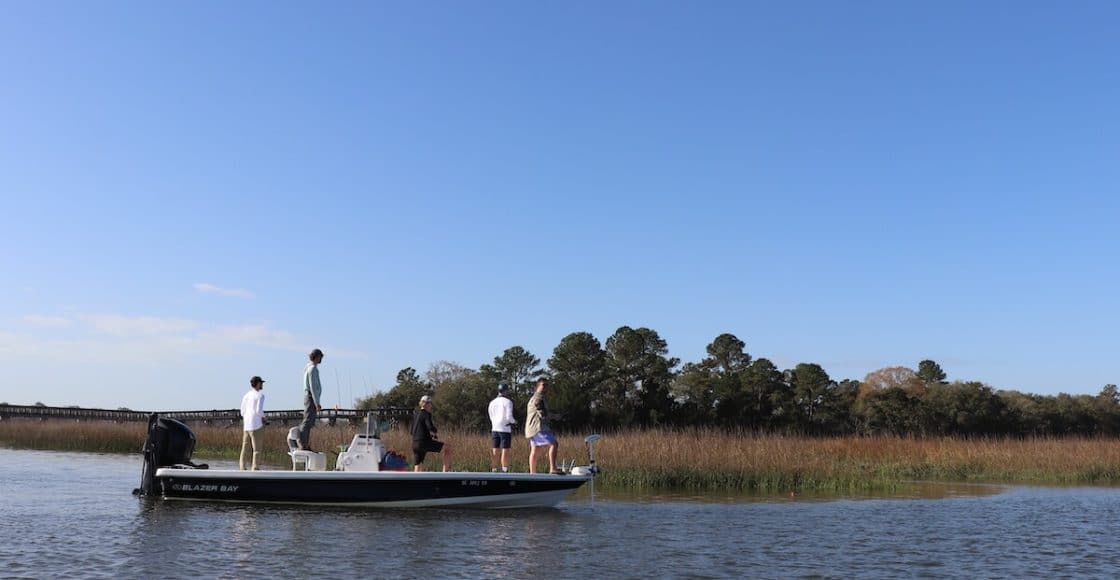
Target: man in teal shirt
312, 398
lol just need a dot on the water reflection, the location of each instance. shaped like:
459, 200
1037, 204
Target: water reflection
156, 536
908, 490
244, 532
498, 540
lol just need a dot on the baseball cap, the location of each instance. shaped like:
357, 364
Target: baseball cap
502, 387
256, 381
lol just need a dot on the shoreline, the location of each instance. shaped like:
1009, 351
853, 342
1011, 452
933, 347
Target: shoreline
702, 460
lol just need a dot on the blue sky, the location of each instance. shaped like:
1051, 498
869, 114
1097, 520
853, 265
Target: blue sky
199, 192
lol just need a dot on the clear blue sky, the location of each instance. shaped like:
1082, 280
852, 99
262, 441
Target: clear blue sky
195, 193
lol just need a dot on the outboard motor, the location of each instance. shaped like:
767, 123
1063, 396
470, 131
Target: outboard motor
170, 443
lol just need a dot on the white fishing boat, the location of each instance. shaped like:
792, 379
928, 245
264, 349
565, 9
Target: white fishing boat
361, 478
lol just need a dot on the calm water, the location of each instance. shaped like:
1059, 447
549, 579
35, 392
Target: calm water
68, 514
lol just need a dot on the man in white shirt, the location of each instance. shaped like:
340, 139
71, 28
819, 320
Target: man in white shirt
252, 418
501, 418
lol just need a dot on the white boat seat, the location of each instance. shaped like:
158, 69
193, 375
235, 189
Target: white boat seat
308, 460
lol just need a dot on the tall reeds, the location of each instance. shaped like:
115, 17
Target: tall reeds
690, 459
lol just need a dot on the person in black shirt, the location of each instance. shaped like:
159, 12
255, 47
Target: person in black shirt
425, 439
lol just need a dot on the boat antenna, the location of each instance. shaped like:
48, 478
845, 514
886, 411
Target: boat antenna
337, 391
337, 406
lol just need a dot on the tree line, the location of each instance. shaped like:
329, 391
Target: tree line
630, 381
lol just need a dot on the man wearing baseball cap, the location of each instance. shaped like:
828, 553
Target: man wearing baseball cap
252, 419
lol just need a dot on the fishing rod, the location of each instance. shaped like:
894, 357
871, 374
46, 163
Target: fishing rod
337, 406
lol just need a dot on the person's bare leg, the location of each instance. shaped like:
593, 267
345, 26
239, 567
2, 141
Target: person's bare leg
494, 458
552, 458
532, 459
446, 454
418, 467
505, 460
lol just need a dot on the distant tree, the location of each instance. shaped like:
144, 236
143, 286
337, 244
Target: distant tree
640, 375
712, 389
729, 359
694, 392
124, 409
631, 380
962, 408
1057, 415
1075, 414
934, 412
889, 378
841, 407
930, 372
578, 368
515, 367
765, 395
979, 411
1106, 411
39, 404
460, 395
813, 391
889, 410
1027, 413
728, 353
783, 404
405, 393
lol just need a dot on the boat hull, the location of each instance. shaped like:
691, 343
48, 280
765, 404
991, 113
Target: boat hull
387, 489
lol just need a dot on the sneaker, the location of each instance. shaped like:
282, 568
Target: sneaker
505, 470
493, 470
556, 472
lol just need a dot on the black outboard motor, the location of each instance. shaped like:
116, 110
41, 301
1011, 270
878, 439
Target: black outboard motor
170, 443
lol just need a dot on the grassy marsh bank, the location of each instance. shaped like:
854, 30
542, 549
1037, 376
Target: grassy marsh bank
693, 459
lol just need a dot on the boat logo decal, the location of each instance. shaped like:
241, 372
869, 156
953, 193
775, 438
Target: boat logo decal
204, 487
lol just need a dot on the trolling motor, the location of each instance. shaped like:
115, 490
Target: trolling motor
590, 468
170, 443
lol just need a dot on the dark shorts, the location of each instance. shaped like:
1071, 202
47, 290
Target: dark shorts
422, 448
499, 440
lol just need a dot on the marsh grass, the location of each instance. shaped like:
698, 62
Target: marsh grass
691, 459
706, 459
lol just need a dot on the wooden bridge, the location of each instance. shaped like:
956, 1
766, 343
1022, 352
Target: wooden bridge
332, 416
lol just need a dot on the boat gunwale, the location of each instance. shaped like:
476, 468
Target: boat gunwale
170, 472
